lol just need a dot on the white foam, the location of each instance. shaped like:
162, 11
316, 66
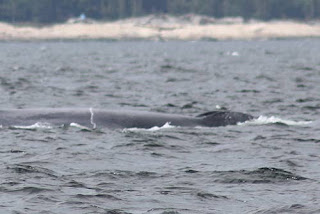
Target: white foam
76, 125
38, 125
233, 53
152, 129
263, 120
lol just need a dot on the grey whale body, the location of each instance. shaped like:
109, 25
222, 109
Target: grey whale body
98, 118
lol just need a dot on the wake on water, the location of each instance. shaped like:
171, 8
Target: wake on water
152, 129
264, 120
261, 120
38, 125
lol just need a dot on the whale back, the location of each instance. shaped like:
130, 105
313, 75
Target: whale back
117, 119
223, 118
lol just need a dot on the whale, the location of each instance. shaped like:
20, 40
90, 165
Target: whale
117, 119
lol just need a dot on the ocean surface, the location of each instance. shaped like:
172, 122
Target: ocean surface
268, 165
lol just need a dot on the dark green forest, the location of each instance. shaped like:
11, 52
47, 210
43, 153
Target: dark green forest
51, 11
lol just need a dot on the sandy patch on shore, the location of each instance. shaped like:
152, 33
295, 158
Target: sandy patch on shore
163, 29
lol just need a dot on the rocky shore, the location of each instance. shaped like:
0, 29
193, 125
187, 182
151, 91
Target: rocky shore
164, 27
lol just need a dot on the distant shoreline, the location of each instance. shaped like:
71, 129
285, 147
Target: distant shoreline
163, 28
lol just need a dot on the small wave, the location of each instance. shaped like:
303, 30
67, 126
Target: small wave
31, 189
263, 120
41, 125
152, 129
28, 169
257, 176
76, 125
294, 208
38, 125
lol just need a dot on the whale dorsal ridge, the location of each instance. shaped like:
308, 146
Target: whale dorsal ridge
211, 113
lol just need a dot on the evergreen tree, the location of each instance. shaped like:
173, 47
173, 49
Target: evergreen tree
50, 11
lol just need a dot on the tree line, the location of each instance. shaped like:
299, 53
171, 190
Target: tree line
51, 11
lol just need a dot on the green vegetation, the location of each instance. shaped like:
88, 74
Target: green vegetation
50, 11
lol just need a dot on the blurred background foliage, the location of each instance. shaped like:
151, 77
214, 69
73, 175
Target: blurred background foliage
52, 11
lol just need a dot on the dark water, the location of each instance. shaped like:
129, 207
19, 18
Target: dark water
268, 166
